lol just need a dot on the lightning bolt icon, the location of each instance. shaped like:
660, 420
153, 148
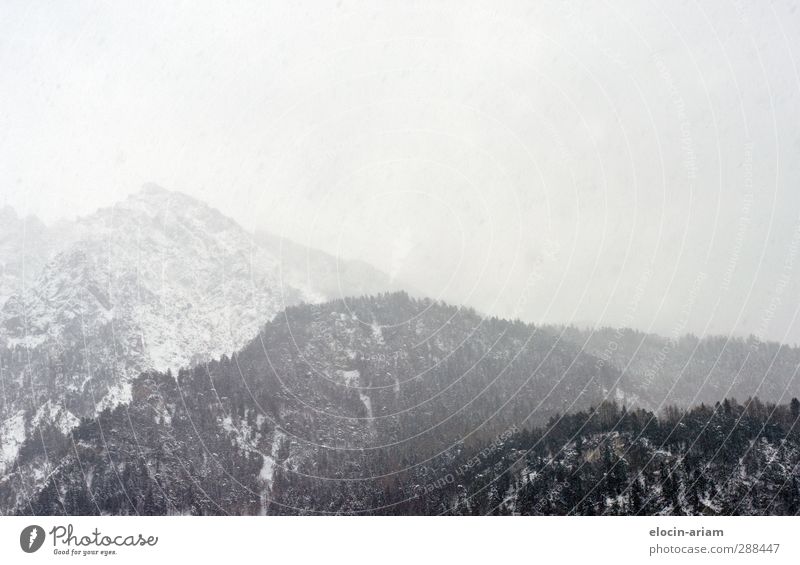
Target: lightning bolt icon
34, 535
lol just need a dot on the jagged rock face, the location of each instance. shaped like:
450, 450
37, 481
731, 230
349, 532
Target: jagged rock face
25, 246
158, 281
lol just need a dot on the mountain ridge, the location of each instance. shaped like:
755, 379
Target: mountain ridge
357, 405
159, 280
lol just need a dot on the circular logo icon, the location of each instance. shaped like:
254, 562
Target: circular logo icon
31, 538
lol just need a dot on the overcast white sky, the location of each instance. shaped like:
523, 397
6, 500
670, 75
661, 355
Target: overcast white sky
612, 163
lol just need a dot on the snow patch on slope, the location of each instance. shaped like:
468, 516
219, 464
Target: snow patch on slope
350, 378
62, 418
377, 333
268, 468
121, 393
367, 401
12, 434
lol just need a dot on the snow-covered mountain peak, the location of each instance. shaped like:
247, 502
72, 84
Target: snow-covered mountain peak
161, 209
160, 280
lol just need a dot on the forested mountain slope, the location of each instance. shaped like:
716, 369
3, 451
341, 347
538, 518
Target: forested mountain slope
391, 404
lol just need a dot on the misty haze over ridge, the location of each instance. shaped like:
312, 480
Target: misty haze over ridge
333, 276
531, 163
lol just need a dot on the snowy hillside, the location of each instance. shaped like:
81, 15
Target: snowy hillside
158, 281
394, 405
